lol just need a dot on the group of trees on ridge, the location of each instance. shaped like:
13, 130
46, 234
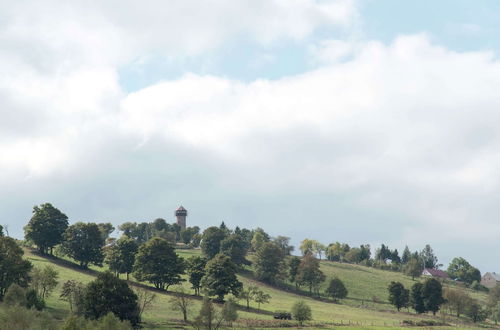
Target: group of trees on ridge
147, 251
411, 263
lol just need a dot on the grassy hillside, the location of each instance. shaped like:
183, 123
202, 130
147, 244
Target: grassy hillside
359, 309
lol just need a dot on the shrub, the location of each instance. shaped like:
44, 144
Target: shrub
301, 312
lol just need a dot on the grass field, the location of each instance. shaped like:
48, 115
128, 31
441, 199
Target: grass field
357, 311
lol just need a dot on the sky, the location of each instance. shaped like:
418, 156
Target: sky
359, 121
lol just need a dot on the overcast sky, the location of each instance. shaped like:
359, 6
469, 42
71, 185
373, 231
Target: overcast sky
360, 121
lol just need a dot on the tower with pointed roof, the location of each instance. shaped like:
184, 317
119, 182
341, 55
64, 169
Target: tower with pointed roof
181, 214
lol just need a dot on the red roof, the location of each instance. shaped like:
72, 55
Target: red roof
436, 272
181, 208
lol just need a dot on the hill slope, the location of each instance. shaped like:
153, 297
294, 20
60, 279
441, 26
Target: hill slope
363, 284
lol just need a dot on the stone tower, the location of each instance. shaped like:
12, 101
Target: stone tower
181, 214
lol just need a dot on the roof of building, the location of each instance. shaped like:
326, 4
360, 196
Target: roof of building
495, 276
436, 272
181, 208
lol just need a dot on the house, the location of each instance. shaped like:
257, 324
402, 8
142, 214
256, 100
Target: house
490, 280
435, 273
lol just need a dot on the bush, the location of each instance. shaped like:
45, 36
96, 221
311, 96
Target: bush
281, 315
301, 312
107, 322
15, 296
478, 287
34, 301
16, 317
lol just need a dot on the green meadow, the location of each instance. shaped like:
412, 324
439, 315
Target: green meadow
366, 306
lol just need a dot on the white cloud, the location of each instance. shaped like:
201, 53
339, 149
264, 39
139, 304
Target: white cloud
406, 126
405, 130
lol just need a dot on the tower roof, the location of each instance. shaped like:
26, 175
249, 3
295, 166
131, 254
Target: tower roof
181, 208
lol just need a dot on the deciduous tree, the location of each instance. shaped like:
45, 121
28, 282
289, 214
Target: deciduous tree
461, 270
121, 256
220, 277
13, 268
196, 271
269, 263
44, 280
432, 293
413, 268
157, 263
83, 242
309, 273
398, 295
301, 312
106, 294
234, 247
417, 298
211, 239
181, 302
46, 227
336, 289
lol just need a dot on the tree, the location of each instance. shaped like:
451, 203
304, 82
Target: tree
145, 299
261, 298
309, 272
269, 263
157, 263
406, 255
259, 238
417, 298
364, 252
74, 293
476, 312
494, 295
413, 268
293, 270
457, 301
44, 280
210, 242
248, 294
33, 300
208, 318
460, 269
301, 312
188, 234
429, 260
495, 313
398, 295
353, 255
234, 247
106, 294
196, 271
181, 302
46, 227
432, 293
336, 289
13, 268
121, 256
15, 296
229, 312
318, 249
307, 246
284, 243
337, 251
105, 229
220, 277
83, 242
129, 229
383, 253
